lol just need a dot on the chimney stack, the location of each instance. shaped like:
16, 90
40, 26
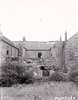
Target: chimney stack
24, 39
65, 36
60, 39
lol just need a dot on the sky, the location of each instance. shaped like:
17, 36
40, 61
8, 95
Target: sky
38, 20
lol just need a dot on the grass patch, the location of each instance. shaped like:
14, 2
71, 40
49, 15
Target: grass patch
43, 91
58, 76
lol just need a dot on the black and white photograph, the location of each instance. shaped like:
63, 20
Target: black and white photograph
38, 49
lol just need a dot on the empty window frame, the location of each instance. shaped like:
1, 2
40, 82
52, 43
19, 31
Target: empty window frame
39, 55
7, 52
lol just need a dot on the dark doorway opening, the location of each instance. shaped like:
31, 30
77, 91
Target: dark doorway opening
39, 55
46, 72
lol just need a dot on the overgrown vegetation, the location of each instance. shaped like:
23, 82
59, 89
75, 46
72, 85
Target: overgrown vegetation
13, 73
58, 76
73, 74
18, 73
43, 91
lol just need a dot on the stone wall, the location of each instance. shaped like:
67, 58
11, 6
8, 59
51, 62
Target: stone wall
71, 51
57, 53
34, 53
0, 50
7, 49
32, 48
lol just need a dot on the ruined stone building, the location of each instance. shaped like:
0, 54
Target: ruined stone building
7, 49
52, 53
71, 52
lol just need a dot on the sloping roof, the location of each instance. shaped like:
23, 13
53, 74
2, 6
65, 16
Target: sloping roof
35, 45
75, 35
8, 41
17, 43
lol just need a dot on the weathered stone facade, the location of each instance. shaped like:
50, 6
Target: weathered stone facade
7, 49
57, 53
32, 49
0, 51
71, 51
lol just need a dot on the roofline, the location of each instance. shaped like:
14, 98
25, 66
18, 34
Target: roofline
64, 42
9, 43
38, 49
72, 36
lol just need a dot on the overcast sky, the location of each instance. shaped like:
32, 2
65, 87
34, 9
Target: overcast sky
38, 20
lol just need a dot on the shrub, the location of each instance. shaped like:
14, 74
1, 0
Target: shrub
64, 69
58, 76
56, 68
13, 73
45, 79
73, 74
27, 77
37, 79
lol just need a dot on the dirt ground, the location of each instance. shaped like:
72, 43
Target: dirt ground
43, 91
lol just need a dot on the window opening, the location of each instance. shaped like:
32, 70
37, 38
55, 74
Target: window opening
39, 55
7, 52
